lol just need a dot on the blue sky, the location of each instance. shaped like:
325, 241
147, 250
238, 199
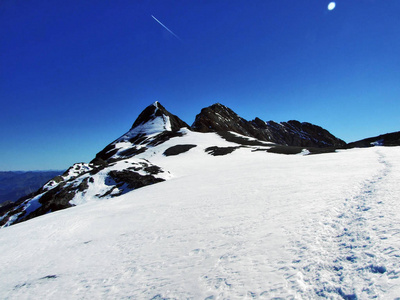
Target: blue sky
74, 75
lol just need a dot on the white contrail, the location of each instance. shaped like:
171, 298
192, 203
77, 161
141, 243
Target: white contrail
170, 31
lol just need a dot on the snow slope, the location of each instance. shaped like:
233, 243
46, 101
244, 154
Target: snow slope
241, 226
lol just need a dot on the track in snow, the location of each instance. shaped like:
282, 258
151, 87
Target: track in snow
259, 226
347, 256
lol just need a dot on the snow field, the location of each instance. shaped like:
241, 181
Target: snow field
366, 263
245, 225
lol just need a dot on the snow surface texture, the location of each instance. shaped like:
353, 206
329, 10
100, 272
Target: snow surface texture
244, 225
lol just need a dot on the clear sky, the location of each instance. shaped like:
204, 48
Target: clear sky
74, 75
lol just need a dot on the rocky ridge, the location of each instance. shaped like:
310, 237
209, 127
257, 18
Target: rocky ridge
388, 139
218, 117
126, 163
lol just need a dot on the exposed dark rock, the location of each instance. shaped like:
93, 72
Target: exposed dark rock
12, 204
321, 150
98, 162
138, 139
53, 200
388, 139
219, 151
112, 189
164, 136
11, 209
218, 118
83, 185
58, 198
285, 150
241, 140
133, 179
294, 133
132, 151
153, 170
281, 149
6, 204
76, 170
102, 157
49, 277
178, 149
58, 179
96, 170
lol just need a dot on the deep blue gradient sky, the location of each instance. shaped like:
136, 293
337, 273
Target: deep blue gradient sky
74, 75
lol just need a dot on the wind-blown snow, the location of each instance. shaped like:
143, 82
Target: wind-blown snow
245, 225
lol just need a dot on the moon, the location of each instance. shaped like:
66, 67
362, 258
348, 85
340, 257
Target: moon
331, 5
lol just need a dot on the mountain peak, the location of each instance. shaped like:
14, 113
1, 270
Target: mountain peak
154, 124
218, 106
217, 117
150, 113
157, 119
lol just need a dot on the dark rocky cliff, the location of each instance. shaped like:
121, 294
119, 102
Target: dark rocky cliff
217, 118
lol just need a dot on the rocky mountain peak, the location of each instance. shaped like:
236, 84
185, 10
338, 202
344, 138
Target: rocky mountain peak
153, 126
166, 120
148, 114
218, 117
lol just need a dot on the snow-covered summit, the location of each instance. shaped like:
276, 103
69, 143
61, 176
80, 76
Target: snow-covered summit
156, 118
153, 126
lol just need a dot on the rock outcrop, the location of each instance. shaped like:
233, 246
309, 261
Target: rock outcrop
218, 117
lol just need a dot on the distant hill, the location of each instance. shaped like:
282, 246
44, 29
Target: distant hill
14, 185
388, 139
